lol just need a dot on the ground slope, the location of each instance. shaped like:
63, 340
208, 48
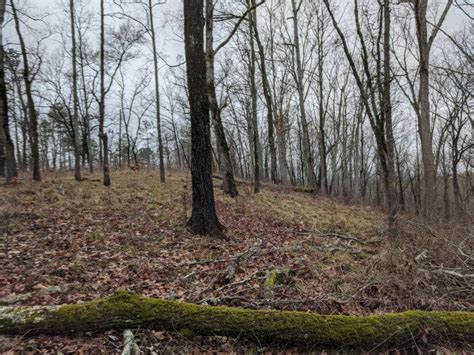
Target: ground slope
67, 242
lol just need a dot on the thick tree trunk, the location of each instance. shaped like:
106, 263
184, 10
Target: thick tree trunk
424, 123
204, 218
227, 170
124, 310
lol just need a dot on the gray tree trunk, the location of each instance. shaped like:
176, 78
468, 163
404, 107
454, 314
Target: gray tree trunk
75, 115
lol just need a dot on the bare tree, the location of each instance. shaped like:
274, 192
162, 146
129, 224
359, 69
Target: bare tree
307, 154
204, 218
28, 79
425, 43
7, 148
75, 96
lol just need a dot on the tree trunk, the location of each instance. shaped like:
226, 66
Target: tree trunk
7, 149
102, 134
390, 175
157, 93
87, 141
32, 114
75, 116
204, 218
424, 124
253, 113
125, 310
227, 170
268, 99
308, 163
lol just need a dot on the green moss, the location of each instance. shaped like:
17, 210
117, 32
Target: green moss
188, 333
126, 310
270, 282
270, 279
95, 234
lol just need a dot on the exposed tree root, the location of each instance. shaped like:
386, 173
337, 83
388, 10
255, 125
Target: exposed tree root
124, 310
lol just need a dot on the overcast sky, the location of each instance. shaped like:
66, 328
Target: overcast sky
166, 22
52, 11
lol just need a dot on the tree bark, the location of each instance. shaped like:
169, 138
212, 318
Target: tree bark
204, 218
124, 310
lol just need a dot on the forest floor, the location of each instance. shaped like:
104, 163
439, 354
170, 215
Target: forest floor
69, 242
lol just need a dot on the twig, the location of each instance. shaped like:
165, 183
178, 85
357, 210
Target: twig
238, 283
203, 262
341, 236
454, 273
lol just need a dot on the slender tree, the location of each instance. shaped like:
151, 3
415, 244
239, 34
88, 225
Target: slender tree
7, 148
424, 122
75, 97
229, 185
30, 103
157, 90
268, 98
102, 134
307, 154
255, 141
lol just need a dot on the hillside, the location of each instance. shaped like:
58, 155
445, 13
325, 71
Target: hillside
68, 242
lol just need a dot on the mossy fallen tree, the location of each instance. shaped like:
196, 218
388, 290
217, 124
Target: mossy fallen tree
125, 310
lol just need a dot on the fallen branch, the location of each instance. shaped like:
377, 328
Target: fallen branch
454, 273
131, 347
124, 310
337, 235
237, 259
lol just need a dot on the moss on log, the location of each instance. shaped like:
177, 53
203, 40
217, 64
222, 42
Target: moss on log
126, 310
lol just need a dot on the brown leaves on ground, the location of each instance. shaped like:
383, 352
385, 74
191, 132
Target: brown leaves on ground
67, 242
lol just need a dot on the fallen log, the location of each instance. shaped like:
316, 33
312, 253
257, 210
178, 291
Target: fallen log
125, 310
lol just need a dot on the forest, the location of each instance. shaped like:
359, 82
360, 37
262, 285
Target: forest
250, 176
